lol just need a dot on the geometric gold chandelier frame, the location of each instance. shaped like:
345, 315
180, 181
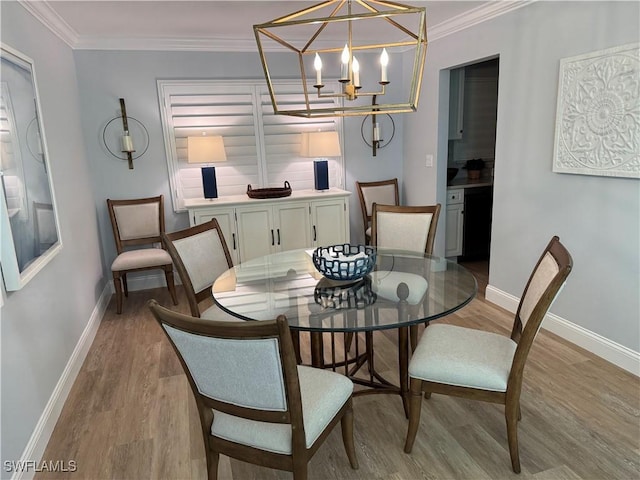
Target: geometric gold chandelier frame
350, 41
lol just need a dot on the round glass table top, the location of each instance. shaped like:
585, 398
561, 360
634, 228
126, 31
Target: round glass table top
287, 283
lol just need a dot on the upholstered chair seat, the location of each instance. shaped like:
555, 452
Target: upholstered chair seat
323, 394
143, 258
463, 357
385, 284
214, 312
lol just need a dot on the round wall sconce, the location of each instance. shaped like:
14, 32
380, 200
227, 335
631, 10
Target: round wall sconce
377, 131
124, 137
34, 142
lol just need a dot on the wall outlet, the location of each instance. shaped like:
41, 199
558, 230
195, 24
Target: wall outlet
429, 160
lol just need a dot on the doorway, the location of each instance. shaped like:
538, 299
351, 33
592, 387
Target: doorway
473, 103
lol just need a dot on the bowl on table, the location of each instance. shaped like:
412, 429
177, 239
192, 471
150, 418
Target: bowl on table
344, 262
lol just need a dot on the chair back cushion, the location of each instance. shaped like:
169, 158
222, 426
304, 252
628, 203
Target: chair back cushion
403, 231
242, 372
203, 257
382, 194
542, 276
137, 221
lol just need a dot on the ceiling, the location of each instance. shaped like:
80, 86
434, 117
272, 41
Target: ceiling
214, 24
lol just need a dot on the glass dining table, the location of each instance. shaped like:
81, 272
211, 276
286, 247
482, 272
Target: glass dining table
403, 289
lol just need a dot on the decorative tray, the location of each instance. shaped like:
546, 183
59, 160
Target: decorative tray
344, 262
269, 192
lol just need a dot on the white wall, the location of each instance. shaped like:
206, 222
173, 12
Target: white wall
41, 324
597, 218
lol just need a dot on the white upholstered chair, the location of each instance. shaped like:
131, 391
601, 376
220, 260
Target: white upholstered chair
485, 366
410, 228
137, 223
200, 255
255, 404
382, 191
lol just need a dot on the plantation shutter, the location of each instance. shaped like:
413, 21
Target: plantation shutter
263, 149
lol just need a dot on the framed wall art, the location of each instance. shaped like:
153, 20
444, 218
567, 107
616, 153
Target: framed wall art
598, 114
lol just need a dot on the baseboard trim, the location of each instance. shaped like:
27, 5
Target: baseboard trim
34, 450
608, 350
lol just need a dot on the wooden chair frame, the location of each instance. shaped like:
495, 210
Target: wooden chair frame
120, 276
428, 248
300, 455
524, 338
194, 297
367, 210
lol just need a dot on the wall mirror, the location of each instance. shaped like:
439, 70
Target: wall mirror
29, 227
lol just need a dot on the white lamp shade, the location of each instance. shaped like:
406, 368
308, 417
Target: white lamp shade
320, 144
205, 149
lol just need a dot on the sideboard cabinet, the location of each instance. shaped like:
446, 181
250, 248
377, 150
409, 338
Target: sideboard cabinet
256, 227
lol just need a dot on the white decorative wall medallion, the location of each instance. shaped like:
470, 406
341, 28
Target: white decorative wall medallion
598, 114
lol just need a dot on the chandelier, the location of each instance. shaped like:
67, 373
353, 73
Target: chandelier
358, 46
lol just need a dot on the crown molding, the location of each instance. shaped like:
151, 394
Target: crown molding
475, 16
166, 44
43, 12
50, 19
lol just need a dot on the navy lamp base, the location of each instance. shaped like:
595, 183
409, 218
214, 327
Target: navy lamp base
209, 184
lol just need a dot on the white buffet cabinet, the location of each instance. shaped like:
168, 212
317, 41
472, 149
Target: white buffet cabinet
256, 227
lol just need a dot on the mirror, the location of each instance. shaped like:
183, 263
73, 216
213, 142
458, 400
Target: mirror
28, 222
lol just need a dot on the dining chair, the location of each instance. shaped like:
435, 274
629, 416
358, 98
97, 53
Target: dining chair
409, 228
255, 404
136, 223
381, 191
480, 365
200, 255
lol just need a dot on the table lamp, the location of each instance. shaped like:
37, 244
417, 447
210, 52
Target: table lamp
206, 149
320, 145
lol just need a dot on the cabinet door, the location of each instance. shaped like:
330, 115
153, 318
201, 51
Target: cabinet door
292, 226
454, 230
329, 222
226, 220
256, 235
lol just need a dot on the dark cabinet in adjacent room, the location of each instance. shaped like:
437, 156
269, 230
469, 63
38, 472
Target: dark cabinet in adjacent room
477, 223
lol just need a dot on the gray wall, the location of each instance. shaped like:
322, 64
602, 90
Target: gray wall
41, 323
596, 217
105, 76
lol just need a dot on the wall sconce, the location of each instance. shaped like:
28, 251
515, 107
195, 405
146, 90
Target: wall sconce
121, 142
207, 150
320, 145
375, 128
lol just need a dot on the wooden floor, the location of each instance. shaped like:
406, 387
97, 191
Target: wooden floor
130, 415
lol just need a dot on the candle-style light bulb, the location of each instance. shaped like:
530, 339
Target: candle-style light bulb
384, 61
356, 72
317, 64
345, 63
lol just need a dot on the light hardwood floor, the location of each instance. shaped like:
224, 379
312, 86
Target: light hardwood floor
130, 415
